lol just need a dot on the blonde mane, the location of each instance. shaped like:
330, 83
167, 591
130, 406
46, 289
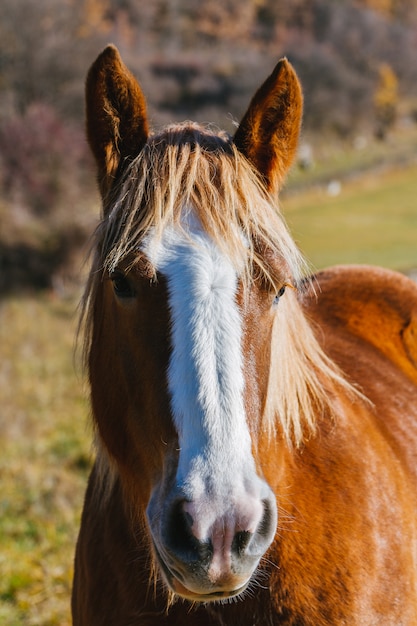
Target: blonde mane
190, 166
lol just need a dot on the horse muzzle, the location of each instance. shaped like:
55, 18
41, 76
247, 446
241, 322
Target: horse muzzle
208, 552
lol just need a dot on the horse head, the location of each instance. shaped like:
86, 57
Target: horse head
184, 292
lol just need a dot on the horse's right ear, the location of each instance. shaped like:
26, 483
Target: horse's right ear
117, 126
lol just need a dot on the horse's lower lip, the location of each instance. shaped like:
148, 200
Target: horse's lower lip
215, 596
180, 589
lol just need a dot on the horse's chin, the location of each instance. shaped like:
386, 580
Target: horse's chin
215, 596
182, 591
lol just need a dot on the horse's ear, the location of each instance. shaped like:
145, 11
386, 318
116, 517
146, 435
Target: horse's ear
117, 126
268, 133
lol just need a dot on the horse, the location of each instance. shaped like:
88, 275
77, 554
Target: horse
255, 425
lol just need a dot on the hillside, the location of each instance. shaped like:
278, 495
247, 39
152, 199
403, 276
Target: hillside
202, 61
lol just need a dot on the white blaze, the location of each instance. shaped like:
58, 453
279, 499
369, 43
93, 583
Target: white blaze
205, 375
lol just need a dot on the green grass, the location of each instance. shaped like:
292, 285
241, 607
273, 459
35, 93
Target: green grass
372, 220
45, 454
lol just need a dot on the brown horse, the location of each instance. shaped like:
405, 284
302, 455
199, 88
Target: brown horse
256, 450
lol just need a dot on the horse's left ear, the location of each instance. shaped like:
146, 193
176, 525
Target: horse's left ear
268, 133
117, 126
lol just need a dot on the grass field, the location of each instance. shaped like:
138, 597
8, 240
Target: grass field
44, 458
374, 217
44, 434
372, 220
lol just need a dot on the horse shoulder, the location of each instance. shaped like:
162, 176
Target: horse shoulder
366, 304
353, 487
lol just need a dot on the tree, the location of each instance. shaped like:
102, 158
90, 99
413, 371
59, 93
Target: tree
385, 100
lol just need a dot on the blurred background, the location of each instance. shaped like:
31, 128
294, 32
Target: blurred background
350, 198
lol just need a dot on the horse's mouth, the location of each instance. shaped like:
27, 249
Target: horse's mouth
214, 596
178, 587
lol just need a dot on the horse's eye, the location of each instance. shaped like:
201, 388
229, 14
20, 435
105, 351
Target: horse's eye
279, 294
122, 287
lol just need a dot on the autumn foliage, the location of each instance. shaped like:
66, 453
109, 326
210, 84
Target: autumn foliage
195, 60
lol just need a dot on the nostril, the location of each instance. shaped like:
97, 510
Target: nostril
268, 521
180, 539
240, 542
179, 533
246, 543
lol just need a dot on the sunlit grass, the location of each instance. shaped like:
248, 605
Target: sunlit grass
44, 445
372, 220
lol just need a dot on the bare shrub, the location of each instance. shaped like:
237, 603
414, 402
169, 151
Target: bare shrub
46, 187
